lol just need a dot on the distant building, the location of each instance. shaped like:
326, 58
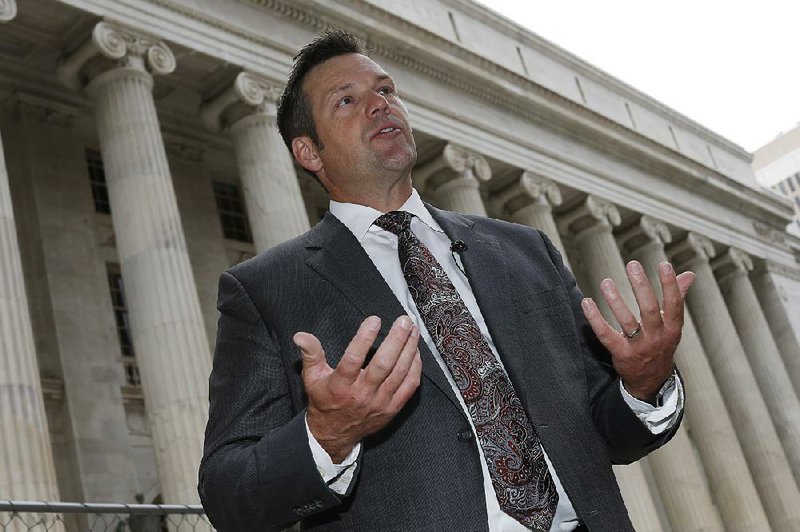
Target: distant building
777, 165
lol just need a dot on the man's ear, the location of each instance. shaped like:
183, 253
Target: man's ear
305, 153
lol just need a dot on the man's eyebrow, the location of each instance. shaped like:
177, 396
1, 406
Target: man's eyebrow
347, 86
340, 88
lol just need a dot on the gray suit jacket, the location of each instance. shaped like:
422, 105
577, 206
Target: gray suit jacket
422, 471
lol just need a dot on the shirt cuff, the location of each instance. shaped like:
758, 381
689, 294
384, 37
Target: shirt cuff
337, 476
669, 404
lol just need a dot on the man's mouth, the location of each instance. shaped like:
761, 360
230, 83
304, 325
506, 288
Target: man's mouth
388, 130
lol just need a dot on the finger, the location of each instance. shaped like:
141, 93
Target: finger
685, 281
409, 385
312, 352
349, 367
403, 365
649, 311
610, 338
618, 307
673, 298
387, 354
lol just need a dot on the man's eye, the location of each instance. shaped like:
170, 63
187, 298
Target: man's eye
344, 101
386, 90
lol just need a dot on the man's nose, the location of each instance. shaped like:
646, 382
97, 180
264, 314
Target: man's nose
378, 104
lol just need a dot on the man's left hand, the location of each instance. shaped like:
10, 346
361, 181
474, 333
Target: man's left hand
643, 352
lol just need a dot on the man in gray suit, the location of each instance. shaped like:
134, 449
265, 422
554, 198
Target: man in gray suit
326, 407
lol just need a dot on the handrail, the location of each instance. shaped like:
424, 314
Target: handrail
98, 508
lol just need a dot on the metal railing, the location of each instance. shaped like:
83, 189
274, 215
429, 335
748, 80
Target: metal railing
24, 516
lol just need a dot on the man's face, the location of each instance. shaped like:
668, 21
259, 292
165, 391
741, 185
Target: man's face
362, 126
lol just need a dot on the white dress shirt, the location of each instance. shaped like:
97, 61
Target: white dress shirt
381, 247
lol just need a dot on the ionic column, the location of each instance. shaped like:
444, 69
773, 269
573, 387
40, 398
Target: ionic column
530, 201
453, 179
591, 225
247, 112
762, 448
27, 472
677, 472
167, 325
775, 312
732, 272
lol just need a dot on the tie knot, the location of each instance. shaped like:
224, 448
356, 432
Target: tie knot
395, 221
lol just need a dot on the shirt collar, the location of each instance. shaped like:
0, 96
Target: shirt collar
359, 218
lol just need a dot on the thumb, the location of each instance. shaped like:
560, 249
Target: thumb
311, 349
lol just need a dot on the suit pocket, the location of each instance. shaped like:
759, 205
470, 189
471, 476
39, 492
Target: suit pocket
541, 299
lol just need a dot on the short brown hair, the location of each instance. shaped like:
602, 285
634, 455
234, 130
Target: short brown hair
294, 108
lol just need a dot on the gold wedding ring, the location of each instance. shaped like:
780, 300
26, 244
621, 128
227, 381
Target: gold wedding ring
634, 333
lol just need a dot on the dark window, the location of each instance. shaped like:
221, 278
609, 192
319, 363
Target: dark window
781, 188
231, 212
790, 182
123, 328
97, 178
797, 202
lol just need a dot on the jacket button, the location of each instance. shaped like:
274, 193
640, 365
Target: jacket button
465, 435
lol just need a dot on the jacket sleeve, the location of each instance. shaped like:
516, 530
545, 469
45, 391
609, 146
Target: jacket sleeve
257, 471
626, 437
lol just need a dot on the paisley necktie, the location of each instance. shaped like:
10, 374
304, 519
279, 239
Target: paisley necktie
514, 456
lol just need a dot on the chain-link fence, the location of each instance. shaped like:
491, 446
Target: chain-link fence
24, 516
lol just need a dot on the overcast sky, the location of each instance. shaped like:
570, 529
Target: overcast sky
732, 66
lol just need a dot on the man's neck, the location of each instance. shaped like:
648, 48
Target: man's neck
384, 201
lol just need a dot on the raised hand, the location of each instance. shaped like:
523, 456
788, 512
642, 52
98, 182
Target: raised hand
349, 403
643, 352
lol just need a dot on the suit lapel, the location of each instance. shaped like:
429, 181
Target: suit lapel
343, 262
491, 282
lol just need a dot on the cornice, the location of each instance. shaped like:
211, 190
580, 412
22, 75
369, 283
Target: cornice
590, 71
477, 75
481, 78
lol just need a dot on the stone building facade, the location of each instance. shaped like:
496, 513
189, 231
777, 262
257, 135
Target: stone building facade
141, 160
777, 165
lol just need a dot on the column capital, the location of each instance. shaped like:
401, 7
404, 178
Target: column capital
8, 10
695, 247
591, 213
455, 161
530, 188
249, 94
731, 263
121, 48
647, 230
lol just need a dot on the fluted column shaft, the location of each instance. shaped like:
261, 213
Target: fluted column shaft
679, 475
761, 350
27, 471
461, 195
775, 313
166, 323
271, 191
601, 260
454, 178
762, 448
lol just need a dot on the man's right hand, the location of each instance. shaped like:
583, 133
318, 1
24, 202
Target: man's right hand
348, 403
